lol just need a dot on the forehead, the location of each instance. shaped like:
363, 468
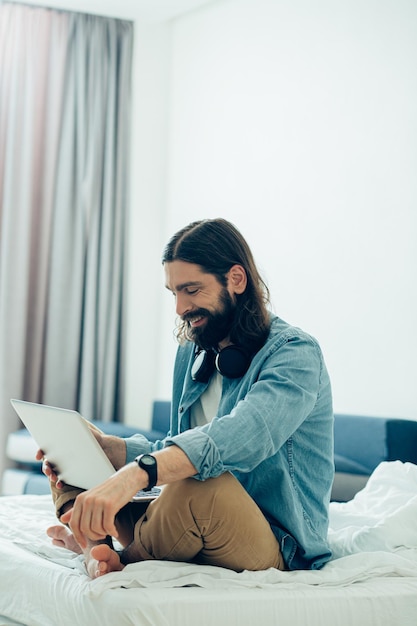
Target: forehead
180, 274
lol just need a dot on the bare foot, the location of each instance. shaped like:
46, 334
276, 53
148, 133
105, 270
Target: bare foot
101, 560
63, 538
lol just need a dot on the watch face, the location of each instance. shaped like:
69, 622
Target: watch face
148, 463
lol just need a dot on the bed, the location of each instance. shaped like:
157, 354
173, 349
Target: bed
371, 579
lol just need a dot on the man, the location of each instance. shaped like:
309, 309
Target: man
248, 463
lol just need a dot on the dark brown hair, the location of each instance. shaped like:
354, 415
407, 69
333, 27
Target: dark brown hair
216, 245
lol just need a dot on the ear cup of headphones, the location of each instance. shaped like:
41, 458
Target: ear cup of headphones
232, 362
203, 366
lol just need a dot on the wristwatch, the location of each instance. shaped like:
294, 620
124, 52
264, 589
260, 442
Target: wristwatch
148, 463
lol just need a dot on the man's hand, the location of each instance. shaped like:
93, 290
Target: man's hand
92, 516
48, 469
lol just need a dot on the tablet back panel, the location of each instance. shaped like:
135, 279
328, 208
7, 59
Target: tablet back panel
67, 442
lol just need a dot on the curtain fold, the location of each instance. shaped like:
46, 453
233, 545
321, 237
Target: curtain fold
64, 176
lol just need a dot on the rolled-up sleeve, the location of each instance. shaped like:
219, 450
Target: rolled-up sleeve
138, 444
202, 452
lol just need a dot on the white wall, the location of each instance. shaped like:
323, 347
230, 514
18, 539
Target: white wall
296, 120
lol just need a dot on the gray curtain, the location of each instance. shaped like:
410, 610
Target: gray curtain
64, 179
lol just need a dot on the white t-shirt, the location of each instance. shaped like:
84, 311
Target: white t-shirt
205, 408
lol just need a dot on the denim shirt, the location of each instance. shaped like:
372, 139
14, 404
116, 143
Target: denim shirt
273, 431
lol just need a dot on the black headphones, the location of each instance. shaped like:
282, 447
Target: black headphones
232, 362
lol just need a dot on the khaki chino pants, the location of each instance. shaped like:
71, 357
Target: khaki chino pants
212, 522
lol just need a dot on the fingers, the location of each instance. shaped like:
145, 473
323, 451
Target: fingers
49, 470
91, 518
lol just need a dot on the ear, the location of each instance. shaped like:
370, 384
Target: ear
237, 279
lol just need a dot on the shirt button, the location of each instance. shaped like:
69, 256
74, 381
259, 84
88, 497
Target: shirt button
181, 409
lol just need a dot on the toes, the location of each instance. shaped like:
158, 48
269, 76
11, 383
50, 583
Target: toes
57, 532
106, 560
63, 538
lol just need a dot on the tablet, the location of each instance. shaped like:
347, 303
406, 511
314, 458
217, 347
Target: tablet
69, 445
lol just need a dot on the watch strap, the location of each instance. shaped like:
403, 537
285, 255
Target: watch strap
148, 463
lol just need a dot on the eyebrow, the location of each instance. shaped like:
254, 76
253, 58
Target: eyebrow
182, 286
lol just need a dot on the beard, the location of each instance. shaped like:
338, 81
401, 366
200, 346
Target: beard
217, 326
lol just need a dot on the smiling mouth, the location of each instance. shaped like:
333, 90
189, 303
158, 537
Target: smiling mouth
196, 321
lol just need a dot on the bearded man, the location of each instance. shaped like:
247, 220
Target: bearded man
247, 466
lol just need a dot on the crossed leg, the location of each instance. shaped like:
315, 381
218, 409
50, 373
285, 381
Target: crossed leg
212, 522
100, 556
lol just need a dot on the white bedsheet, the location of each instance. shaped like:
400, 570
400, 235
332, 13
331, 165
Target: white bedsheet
373, 537
383, 516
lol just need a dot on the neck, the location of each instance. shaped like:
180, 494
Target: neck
224, 343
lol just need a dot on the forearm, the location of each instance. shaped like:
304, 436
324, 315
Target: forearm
115, 449
173, 465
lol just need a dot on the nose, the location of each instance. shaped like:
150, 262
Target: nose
182, 304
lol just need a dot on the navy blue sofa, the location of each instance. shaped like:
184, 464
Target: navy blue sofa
362, 442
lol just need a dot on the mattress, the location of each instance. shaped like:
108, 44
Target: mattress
371, 579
